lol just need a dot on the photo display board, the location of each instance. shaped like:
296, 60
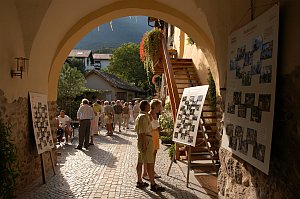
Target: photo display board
250, 95
188, 115
41, 124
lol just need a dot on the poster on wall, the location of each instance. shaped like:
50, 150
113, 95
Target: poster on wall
40, 120
251, 83
188, 115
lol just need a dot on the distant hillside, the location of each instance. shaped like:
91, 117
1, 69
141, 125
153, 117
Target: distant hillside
124, 30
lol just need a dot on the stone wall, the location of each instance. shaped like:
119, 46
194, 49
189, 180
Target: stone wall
16, 114
238, 179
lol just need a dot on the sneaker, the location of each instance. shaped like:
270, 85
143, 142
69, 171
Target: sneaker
141, 185
157, 188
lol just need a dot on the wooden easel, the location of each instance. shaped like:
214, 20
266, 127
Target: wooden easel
43, 167
188, 165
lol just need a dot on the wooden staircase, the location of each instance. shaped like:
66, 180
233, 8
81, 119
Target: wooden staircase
180, 74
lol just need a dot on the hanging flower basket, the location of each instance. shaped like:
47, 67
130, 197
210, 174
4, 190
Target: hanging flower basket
150, 48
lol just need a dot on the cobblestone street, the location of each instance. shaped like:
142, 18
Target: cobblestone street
107, 170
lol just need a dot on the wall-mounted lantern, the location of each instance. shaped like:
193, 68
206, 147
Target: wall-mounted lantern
21, 66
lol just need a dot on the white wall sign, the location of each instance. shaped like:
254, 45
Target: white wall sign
188, 115
41, 124
251, 83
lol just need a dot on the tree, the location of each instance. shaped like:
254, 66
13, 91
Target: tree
126, 64
77, 63
70, 85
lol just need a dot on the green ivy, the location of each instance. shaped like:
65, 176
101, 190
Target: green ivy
212, 96
8, 172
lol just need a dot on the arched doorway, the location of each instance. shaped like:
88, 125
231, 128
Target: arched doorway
121, 9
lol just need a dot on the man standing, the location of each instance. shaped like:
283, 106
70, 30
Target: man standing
118, 111
145, 147
136, 109
85, 114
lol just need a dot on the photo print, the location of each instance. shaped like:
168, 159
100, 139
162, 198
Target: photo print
267, 50
232, 142
257, 43
251, 136
239, 131
176, 135
238, 73
243, 147
237, 96
190, 139
249, 99
246, 79
248, 59
264, 102
255, 114
192, 98
229, 129
259, 152
200, 98
265, 74
242, 111
233, 64
231, 108
240, 53
256, 68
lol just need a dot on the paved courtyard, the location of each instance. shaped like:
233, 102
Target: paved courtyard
107, 170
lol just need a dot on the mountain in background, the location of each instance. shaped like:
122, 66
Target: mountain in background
114, 34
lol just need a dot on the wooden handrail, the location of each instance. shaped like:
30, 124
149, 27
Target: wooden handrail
168, 70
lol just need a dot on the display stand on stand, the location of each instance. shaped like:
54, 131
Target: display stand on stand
188, 120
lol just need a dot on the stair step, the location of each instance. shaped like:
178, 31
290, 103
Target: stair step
204, 149
187, 78
203, 157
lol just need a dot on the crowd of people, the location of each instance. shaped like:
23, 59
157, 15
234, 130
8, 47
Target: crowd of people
120, 114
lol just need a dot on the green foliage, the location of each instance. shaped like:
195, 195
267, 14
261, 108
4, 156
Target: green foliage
190, 41
166, 123
151, 45
212, 96
78, 64
171, 151
105, 50
126, 64
70, 85
8, 172
166, 139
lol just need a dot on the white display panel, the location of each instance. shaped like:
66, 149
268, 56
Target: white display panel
188, 115
251, 84
41, 123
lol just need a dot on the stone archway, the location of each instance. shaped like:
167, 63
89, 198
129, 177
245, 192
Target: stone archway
126, 8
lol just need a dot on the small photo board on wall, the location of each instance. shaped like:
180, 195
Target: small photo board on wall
40, 121
188, 115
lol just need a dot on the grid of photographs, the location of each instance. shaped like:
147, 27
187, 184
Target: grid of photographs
41, 125
244, 58
240, 138
188, 116
244, 66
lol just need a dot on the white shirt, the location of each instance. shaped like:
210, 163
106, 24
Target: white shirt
85, 112
63, 120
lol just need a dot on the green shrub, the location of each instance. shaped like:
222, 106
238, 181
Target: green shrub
166, 140
8, 172
171, 151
